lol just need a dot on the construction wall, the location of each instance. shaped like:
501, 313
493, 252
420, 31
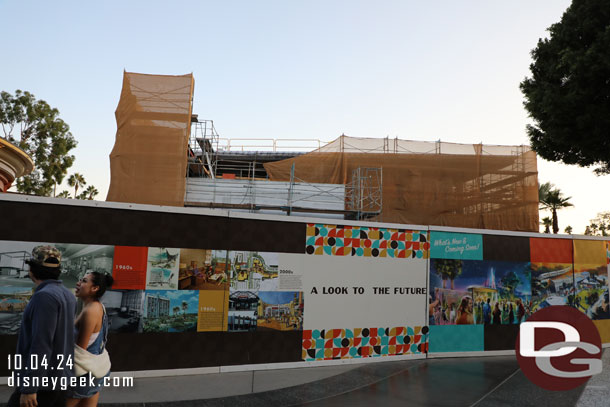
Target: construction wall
474, 186
219, 289
148, 161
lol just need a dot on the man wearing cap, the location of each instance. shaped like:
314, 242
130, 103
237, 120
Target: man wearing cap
47, 333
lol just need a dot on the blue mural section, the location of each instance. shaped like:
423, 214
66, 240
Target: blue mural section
456, 338
463, 246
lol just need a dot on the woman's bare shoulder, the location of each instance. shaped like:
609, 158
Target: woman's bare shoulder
94, 310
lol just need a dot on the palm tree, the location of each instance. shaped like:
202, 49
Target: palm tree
76, 180
91, 192
554, 200
547, 222
568, 230
543, 191
448, 269
63, 194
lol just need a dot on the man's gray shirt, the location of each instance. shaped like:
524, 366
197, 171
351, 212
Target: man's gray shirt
47, 330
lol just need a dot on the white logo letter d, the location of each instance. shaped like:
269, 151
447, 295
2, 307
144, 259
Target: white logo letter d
527, 334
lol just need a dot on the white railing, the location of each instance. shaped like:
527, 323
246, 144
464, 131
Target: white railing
269, 144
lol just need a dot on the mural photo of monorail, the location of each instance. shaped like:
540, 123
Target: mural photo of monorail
254, 271
465, 292
552, 284
265, 310
162, 268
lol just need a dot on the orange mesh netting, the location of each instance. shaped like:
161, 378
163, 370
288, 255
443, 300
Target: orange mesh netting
432, 183
148, 161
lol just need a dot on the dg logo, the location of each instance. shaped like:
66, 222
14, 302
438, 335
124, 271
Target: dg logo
559, 348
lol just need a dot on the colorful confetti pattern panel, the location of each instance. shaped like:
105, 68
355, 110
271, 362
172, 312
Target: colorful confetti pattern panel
363, 241
364, 342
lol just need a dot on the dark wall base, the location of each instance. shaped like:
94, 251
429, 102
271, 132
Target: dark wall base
501, 337
155, 351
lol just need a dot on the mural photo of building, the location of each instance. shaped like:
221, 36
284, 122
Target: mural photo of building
243, 311
170, 310
162, 268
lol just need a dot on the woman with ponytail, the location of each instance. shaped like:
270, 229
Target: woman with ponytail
91, 331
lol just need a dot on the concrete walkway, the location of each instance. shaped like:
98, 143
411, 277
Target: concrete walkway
480, 382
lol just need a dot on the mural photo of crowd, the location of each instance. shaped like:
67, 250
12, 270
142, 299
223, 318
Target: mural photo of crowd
265, 310
466, 292
280, 310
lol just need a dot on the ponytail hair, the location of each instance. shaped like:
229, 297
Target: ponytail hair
103, 281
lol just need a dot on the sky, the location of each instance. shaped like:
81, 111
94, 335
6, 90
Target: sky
273, 69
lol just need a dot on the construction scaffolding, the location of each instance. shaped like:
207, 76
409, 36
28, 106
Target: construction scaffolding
203, 149
224, 173
435, 183
161, 150
363, 194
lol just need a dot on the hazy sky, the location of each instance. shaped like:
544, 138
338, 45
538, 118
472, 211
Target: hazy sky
447, 70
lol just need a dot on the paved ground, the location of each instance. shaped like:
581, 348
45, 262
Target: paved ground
480, 382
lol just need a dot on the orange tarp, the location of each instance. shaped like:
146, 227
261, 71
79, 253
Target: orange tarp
497, 190
148, 161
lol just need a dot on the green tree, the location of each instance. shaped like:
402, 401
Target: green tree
568, 230
543, 190
76, 180
539, 287
599, 226
509, 282
185, 306
91, 192
63, 194
448, 269
554, 200
547, 222
36, 128
568, 95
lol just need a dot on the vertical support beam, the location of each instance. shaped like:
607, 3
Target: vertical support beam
290, 189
